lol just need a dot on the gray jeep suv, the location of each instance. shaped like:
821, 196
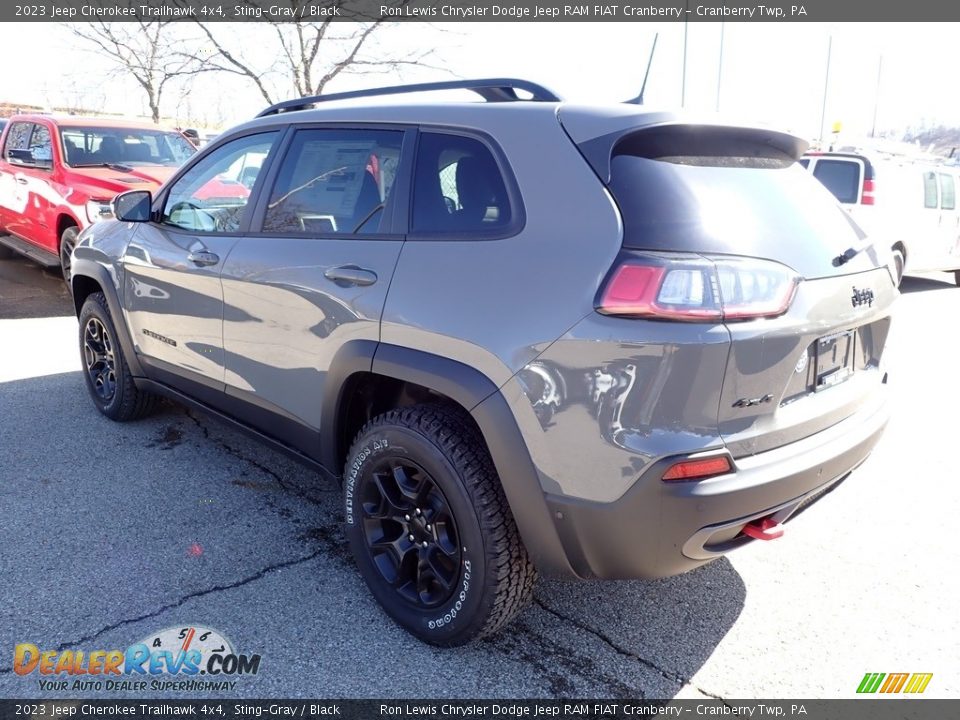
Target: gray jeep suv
525, 335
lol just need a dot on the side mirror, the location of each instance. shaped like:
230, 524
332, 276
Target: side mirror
29, 158
133, 206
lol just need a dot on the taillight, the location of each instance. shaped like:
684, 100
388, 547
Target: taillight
866, 194
698, 469
695, 288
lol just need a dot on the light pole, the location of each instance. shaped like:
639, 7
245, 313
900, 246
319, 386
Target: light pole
876, 99
720, 65
683, 78
826, 88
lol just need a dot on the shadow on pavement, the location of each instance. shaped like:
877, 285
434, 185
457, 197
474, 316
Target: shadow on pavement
921, 283
114, 511
27, 290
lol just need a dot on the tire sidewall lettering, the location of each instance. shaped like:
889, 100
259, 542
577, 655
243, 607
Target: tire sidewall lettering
373, 447
459, 600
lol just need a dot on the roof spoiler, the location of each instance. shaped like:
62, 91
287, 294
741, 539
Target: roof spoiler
686, 139
490, 89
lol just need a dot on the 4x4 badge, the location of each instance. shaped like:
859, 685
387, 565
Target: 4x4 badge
862, 297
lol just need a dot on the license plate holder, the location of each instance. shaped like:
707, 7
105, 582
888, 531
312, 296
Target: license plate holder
834, 359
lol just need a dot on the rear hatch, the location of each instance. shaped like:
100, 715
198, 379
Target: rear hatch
722, 225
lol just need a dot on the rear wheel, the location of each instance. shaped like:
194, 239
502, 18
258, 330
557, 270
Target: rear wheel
68, 241
106, 373
430, 528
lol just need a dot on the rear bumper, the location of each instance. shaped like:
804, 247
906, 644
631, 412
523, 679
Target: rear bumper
697, 522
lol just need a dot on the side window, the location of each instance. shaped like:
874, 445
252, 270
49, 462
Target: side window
212, 195
930, 190
334, 181
458, 187
15, 150
40, 148
948, 192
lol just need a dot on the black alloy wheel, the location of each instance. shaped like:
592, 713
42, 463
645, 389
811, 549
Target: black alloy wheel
99, 360
411, 533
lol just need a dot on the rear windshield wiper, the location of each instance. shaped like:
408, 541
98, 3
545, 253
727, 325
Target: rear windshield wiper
850, 253
113, 166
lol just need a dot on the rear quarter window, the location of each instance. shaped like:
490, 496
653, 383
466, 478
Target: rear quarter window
459, 189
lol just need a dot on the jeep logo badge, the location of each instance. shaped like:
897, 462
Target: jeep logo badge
862, 297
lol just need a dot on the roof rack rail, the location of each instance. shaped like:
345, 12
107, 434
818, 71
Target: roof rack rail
490, 89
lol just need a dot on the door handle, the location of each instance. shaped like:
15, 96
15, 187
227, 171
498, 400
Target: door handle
203, 257
22, 180
351, 275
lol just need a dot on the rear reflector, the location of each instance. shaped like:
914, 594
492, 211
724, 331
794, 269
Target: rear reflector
698, 469
866, 195
695, 288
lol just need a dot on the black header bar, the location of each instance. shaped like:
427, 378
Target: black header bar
477, 10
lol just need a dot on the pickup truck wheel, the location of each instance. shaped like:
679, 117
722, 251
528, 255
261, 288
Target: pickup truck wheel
430, 528
68, 241
105, 369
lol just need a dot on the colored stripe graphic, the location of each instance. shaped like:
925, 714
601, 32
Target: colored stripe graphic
894, 683
870, 682
918, 682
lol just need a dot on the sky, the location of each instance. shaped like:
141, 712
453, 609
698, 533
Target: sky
772, 73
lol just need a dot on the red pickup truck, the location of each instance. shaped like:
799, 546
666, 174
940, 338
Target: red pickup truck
60, 174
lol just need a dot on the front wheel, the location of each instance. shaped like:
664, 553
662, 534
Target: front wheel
430, 528
68, 241
106, 373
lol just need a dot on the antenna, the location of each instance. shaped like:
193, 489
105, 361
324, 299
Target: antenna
638, 100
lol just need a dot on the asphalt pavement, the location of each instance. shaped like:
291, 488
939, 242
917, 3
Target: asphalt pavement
110, 533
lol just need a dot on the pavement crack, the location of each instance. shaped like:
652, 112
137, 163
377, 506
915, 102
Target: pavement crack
607, 640
275, 476
181, 601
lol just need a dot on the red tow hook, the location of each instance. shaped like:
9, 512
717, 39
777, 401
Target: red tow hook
763, 529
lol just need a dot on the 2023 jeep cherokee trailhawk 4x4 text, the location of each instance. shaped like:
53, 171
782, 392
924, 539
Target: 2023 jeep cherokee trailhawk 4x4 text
599, 342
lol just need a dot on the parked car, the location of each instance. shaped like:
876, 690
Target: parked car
908, 205
59, 174
621, 363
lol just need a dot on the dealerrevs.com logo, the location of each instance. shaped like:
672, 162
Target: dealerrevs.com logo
190, 659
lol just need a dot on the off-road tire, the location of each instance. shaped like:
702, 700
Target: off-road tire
494, 575
105, 369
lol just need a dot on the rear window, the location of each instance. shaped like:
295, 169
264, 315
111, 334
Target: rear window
930, 190
840, 177
748, 204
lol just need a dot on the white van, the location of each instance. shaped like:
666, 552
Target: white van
909, 205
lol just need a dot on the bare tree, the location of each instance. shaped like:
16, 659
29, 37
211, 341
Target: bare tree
149, 52
307, 56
